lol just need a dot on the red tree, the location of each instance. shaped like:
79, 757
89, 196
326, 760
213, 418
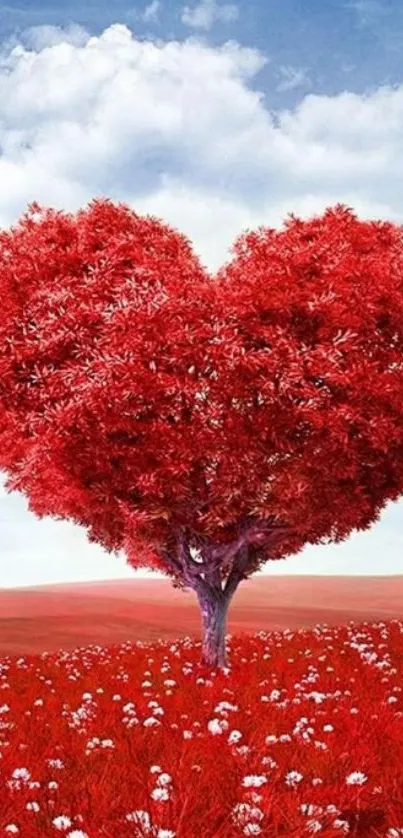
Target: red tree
203, 425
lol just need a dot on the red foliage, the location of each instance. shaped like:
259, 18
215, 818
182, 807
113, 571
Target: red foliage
139, 395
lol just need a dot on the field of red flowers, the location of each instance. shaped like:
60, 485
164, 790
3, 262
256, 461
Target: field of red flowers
301, 735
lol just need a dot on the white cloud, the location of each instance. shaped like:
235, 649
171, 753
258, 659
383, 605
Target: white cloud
369, 12
208, 12
151, 12
175, 130
293, 78
40, 37
348, 68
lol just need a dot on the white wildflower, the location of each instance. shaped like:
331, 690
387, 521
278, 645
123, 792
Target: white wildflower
356, 778
293, 777
61, 822
160, 794
254, 780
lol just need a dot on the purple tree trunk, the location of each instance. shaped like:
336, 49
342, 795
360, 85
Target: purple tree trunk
214, 620
205, 577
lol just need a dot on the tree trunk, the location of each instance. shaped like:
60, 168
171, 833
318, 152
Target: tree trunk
214, 620
205, 579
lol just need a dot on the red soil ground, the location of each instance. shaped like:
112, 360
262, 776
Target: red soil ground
52, 617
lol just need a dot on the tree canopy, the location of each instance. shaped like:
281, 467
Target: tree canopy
163, 408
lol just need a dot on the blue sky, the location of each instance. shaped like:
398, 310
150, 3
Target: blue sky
322, 46
216, 117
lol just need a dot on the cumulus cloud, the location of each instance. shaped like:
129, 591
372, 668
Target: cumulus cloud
177, 130
155, 122
208, 12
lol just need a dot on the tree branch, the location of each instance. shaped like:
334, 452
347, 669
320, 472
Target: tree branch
259, 534
192, 570
237, 572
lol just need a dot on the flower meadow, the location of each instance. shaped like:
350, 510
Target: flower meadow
301, 735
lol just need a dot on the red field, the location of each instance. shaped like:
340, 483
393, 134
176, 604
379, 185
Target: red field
64, 616
301, 735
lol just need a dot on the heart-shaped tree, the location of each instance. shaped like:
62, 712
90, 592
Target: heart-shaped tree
202, 424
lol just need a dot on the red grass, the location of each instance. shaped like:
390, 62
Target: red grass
321, 677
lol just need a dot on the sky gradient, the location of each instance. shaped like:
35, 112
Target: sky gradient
215, 117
